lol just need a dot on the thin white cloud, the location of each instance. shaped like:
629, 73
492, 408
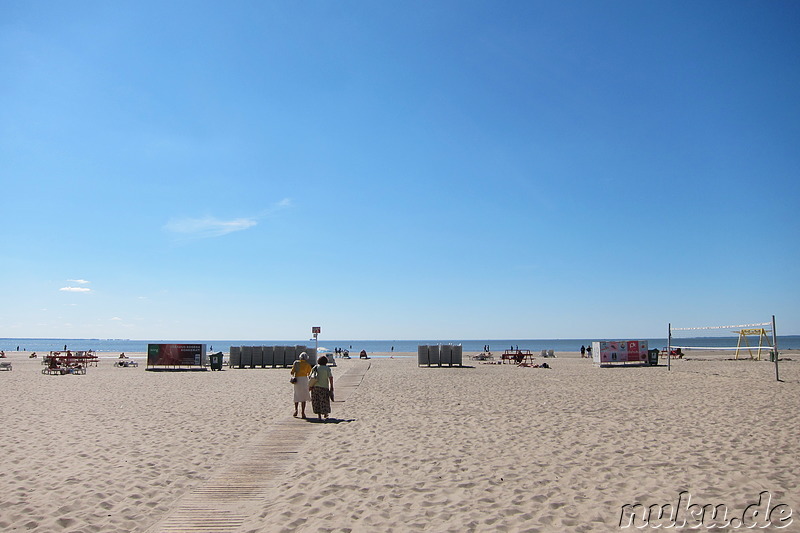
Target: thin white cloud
214, 227
75, 289
208, 226
115, 318
78, 281
284, 204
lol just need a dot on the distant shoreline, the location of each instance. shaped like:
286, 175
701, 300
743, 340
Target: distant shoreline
26, 344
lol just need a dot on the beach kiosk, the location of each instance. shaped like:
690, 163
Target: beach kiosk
611, 352
177, 357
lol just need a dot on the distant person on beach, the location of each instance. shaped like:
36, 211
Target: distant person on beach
583, 350
300, 371
589, 351
322, 390
363, 355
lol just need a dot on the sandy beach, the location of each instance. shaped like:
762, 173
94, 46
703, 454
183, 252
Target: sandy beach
481, 448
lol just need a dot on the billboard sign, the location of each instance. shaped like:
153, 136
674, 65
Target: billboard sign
176, 354
619, 351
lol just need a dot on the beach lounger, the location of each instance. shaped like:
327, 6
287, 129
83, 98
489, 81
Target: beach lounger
551, 353
543, 353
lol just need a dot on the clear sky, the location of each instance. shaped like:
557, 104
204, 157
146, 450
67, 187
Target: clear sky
397, 170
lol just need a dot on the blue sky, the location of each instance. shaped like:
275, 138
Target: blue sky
397, 170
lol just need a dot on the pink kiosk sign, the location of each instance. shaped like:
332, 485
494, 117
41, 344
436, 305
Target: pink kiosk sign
619, 352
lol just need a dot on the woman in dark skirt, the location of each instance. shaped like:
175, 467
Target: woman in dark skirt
322, 391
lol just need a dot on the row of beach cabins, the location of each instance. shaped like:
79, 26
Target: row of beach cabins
269, 356
284, 356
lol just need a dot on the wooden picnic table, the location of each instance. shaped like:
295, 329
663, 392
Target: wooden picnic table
70, 358
517, 356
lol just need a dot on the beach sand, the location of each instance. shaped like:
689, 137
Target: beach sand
481, 448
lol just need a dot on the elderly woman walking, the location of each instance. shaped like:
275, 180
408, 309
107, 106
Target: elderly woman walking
321, 388
300, 371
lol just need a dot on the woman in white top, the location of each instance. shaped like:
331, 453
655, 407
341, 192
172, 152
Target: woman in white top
300, 371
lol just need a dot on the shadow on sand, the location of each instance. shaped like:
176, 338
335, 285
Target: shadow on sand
315, 420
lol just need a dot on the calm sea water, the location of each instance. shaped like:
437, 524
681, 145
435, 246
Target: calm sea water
116, 346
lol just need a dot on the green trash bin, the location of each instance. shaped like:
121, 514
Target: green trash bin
216, 361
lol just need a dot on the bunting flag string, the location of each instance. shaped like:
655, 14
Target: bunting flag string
723, 327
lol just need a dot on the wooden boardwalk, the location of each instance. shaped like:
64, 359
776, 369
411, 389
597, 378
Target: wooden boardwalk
216, 506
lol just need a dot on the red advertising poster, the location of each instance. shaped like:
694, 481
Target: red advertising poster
633, 351
175, 354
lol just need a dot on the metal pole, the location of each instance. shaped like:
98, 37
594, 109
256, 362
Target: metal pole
775, 347
669, 347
